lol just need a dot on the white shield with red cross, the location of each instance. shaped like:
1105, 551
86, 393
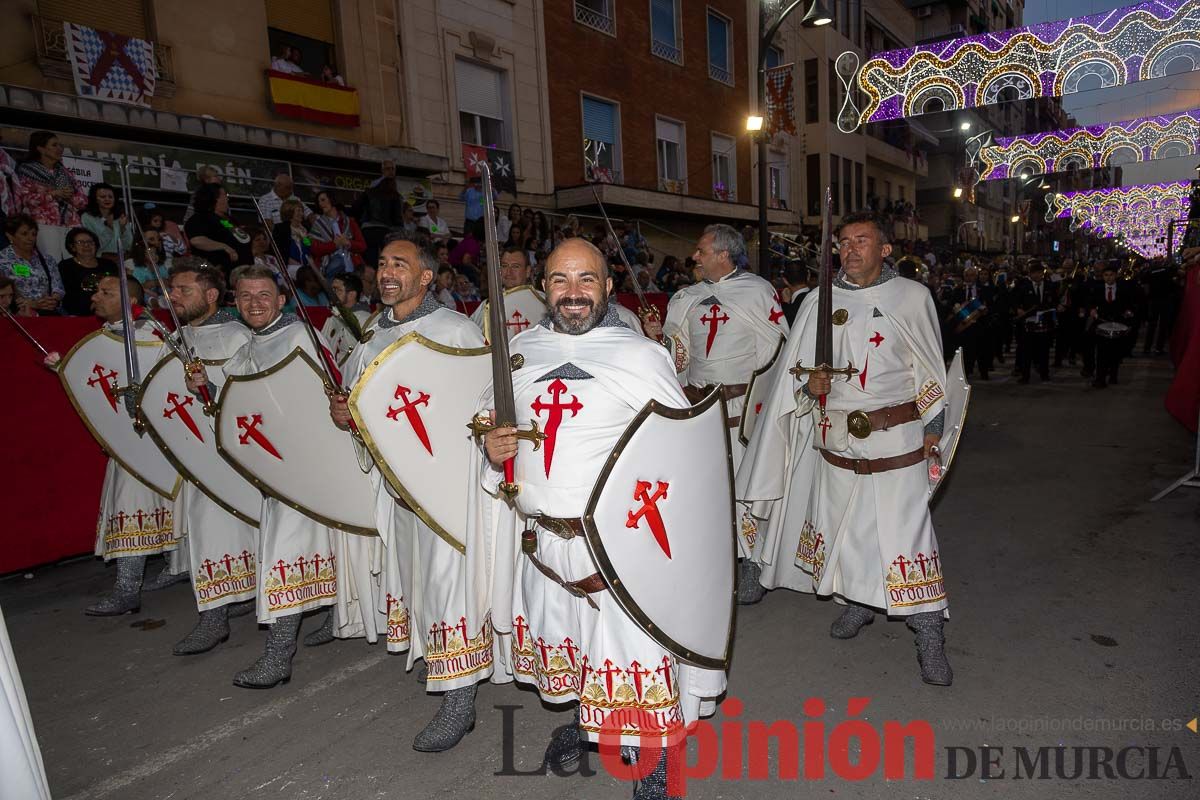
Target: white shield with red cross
412, 405
273, 427
92, 373
660, 526
524, 307
958, 397
175, 419
757, 391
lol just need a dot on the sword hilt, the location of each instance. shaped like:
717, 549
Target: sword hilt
481, 425
847, 370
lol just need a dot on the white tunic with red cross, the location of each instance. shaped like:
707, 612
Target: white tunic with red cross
424, 578
287, 537
221, 549
583, 391
134, 519
722, 332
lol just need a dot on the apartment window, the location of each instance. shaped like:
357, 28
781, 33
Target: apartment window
855, 28
306, 25
858, 186
482, 101
902, 187
664, 30
720, 48
777, 181
833, 183
887, 191
871, 189
842, 17
597, 14
671, 155
847, 180
812, 183
811, 91
774, 57
601, 124
127, 17
724, 164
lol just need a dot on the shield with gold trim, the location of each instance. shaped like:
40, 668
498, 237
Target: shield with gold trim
958, 397
412, 405
175, 419
757, 391
524, 307
92, 372
273, 427
660, 526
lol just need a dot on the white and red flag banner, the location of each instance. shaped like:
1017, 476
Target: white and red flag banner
110, 66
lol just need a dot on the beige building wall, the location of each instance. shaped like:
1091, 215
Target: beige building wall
504, 35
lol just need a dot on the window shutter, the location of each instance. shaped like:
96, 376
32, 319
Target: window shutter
310, 18
127, 17
478, 89
668, 131
599, 121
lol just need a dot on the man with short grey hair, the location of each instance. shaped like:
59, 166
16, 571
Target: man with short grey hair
270, 203
723, 330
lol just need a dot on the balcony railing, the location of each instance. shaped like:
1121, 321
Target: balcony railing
672, 186
595, 19
51, 45
665, 50
718, 73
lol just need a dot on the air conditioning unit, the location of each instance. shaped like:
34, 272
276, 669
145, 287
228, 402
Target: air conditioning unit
924, 11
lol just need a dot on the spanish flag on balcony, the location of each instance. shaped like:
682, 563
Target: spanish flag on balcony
313, 100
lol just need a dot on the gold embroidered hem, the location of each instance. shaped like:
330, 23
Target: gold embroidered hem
451, 656
140, 533
302, 582
227, 579
915, 581
397, 622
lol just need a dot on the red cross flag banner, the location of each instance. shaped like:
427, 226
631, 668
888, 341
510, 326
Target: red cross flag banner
781, 103
110, 66
473, 155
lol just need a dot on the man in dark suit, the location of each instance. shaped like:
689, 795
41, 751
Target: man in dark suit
1035, 304
970, 325
1112, 302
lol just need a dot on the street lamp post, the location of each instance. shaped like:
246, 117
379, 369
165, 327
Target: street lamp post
816, 16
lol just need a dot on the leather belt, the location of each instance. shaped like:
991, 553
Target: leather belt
873, 466
564, 528
729, 391
863, 423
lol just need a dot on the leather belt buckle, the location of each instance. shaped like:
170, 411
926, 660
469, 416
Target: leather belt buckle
859, 424
862, 466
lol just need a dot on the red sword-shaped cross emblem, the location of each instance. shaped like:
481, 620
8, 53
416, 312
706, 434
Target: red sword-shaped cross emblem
409, 409
714, 322
518, 323
649, 510
114, 55
250, 425
107, 382
554, 415
179, 407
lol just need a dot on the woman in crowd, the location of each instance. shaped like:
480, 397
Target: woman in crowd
50, 194
408, 220
211, 232
504, 225
102, 218
174, 243
35, 273
541, 229
337, 242
308, 288
292, 237
82, 271
11, 301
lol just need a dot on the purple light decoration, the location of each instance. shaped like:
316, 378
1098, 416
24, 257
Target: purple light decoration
1122, 46
1092, 146
1155, 195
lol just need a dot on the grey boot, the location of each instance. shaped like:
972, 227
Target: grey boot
654, 785
453, 721
210, 631
931, 652
275, 665
423, 673
164, 578
323, 634
566, 746
126, 596
852, 620
240, 609
749, 590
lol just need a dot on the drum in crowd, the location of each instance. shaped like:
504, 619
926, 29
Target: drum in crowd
1112, 330
968, 315
1041, 321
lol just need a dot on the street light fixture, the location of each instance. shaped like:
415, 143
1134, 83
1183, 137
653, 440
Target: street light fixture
958, 192
1015, 218
964, 126
816, 16
754, 123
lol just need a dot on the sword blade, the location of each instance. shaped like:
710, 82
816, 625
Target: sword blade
504, 403
824, 352
643, 304
25, 333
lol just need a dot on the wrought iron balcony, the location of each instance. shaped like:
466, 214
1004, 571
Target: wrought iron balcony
595, 19
667, 51
720, 74
51, 44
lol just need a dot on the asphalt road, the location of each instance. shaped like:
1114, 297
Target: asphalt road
1074, 625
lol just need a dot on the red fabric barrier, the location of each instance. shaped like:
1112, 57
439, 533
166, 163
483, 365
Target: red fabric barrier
53, 466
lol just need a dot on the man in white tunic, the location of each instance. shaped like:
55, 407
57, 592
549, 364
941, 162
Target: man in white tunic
524, 306
844, 494
720, 331
286, 535
584, 376
420, 564
221, 548
135, 521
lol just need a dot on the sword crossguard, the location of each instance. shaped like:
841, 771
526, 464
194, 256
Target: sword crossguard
848, 370
481, 425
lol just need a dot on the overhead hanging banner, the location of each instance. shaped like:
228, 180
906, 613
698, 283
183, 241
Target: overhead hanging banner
1051, 59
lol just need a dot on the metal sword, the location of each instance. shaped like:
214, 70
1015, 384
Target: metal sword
25, 333
646, 310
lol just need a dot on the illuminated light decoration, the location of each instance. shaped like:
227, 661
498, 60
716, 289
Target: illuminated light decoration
1051, 59
1148, 241
1091, 147
1089, 202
